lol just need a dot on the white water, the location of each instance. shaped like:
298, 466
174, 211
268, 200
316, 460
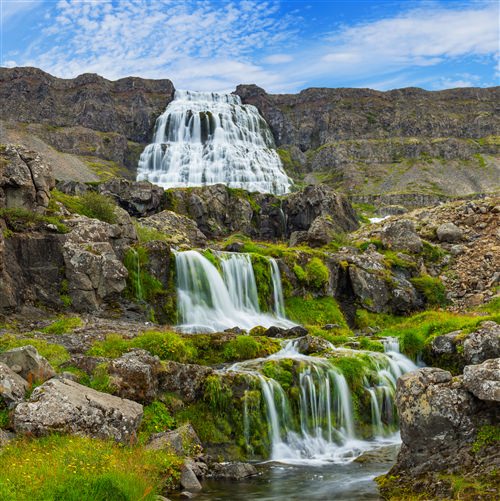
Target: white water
323, 428
279, 302
208, 301
207, 138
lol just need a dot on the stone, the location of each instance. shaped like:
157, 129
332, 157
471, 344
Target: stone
445, 344
312, 344
33, 367
63, 406
278, 332
232, 471
329, 327
188, 479
298, 238
187, 495
182, 441
177, 229
483, 380
322, 231
449, 232
186, 380
134, 375
401, 235
13, 387
5, 438
482, 344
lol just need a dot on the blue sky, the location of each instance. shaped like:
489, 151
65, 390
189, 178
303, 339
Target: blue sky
283, 46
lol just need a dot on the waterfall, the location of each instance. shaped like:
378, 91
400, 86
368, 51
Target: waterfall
279, 302
315, 420
207, 138
212, 301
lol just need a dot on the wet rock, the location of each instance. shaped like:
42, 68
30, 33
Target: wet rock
188, 479
483, 380
371, 289
401, 235
138, 198
278, 332
232, 471
183, 441
13, 387
482, 344
184, 379
28, 363
135, 376
449, 232
178, 229
64, 406
386, 454
312, 344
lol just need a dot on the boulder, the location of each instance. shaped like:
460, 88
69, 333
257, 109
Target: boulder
482, 344
370, 288
188, 479
279, 332
28, 363
232, 471
13, 387
135, 376
25, 180
322, 231
183, 441
177, 229
184, 379
449, 233
483, 380
312, 344
445, 344
401, 235
138, 198
63, 406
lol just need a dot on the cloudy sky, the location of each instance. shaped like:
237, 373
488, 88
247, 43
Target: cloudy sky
283, 46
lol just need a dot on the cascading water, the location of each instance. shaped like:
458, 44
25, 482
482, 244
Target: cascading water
279, 302
208, 138
318, 424
209, 301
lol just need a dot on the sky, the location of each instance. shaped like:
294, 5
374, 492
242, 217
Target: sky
283, 46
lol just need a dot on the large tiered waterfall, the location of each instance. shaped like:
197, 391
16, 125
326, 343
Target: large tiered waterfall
319, 424
209, 300
206, 138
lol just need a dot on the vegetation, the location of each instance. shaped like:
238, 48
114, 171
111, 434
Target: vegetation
90, 204
487, 436
432, 288
156, 419
63, 325
18, 220
317, 273
314, 311
73, 468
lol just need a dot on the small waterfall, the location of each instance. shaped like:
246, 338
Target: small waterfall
279, 302
207, 138
315, 419
209, 301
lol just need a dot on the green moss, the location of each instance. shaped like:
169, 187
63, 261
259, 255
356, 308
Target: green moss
90, 204
318, 311
156, 419
54, 353
146, 234
373, 241
263, 279
4, 417
279, 370
488, 435
216, 393
166, 345
317, 274
366, 343
141, 285
432, 288
365, 319
63, 325
18, 220
432, 253
300, 273
113, 346
242, 348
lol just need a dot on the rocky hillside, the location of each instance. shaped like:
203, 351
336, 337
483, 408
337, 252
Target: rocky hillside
405, 140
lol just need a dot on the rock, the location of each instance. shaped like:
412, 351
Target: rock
483, 380
322, 231
391, 210
63, 406
482, 344
278, 332
178, 229
330, 327
138, 198
189, 480
298, 238
32, 366
386, 454
401, 234
72, 187
25, 180
186, 495
445, 344
135, 376
371, 289
184, 379
5, 438
449, 232
13, 387
183, 441
456, 250
312, 344
232, 471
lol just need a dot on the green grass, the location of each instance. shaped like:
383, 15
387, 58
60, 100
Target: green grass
487, 435
314, 311
432, 288
63, 325
317, 273
90, 204
19, 220
73, 468
146, 234
156, 419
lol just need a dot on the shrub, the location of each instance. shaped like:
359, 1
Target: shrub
156, 418
432, 289
90, 204
166, 345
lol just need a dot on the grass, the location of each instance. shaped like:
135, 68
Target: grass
487, 435
156, 419
146, 234
63, 325
432, 289
19, 220
90, 204
314, 311
73, 468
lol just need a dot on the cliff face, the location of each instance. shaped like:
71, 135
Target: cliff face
106, 124
404, 140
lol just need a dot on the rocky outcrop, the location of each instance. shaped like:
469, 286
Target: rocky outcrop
186, 380
182, 441
401, 235
440, 420
13, 387
63, 406
484, 380
25, 180
28, 363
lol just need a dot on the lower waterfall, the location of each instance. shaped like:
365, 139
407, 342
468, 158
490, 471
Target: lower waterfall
209, 300
314, 421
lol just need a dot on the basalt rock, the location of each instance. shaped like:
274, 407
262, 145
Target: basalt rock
28, 363
483, 380
13, 387
182, 441
184, 379
401, 235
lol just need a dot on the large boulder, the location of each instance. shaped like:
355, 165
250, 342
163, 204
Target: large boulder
63, 406
232, 471
138, 198
182, 441
449, 233
28, 363
186, 380
188, 479
401, 235
483, 380
177, 229
135, 375
25, 180
482, 344
13, 387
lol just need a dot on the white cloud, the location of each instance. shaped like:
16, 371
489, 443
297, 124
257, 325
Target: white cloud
278, 59
13, 8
